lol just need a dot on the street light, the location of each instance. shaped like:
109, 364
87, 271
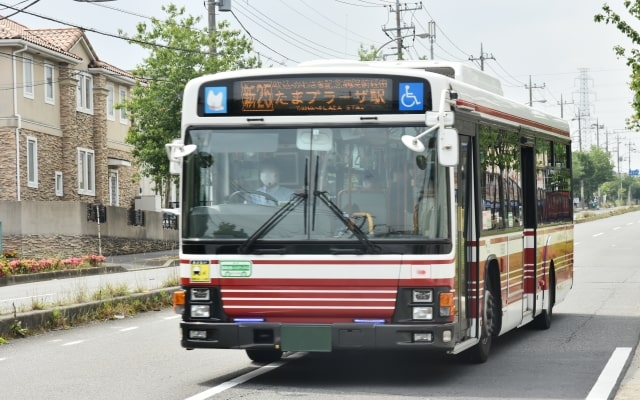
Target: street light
536, 101
420, 35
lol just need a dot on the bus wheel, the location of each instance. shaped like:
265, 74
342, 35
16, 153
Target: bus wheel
543, 321
264, 356
490, 323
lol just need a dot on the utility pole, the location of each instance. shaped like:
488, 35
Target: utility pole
483, 56
530, 87
561, 103
223, 5
432, 36
398, 29
211, 11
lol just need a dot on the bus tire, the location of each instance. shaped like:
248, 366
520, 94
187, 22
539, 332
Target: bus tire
490, 323
264, 356
543, 321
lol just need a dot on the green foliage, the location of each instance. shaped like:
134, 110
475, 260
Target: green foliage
179, 52
369, 54
609, 16
591, 170
17, 330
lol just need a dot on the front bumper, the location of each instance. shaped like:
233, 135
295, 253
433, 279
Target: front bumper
315, 337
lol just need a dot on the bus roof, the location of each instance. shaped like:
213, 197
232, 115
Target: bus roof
455, 70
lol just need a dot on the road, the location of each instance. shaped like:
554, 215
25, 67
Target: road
140, 358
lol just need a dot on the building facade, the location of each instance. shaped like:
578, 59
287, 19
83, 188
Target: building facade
62, 134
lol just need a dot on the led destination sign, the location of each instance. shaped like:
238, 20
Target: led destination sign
306, 95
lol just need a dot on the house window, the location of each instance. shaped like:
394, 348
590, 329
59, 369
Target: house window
48, 83
27, 76
86, 172
111, 113
123, 111
58, 183
114, 189
84, 95
32, 162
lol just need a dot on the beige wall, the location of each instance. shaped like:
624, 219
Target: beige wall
60, 130
46, 229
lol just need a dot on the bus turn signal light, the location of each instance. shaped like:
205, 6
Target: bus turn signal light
447, 306
178, 301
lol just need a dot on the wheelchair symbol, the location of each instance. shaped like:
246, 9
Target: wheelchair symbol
408, 99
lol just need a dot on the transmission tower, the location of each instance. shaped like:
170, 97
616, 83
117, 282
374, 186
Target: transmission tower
584, 107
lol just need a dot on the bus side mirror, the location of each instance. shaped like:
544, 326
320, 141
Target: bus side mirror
176, 151
448, 147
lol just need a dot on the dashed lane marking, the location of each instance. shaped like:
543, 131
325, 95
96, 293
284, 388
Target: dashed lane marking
73, 343
243, 378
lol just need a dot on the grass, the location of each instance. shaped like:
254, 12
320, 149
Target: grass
114, 301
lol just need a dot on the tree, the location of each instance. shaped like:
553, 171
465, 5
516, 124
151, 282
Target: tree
179, 51
591, 169
370, 54
632, 56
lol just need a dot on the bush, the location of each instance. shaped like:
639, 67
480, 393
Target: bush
9, 265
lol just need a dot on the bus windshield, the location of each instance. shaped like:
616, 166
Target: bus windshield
318, 183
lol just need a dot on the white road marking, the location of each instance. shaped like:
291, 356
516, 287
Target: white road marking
172, 317
242, 378
609, 375
72, 343
128, 329
598, 234
3, 358
616, 228
26, 297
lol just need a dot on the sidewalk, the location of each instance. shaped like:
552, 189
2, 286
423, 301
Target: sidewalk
158, 259
147, 272
630, 385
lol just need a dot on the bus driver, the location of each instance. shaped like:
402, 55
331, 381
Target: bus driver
270, 178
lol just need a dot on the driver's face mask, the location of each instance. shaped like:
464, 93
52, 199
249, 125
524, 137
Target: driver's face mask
269, 178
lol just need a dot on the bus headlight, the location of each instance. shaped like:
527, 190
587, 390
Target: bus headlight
200, 311
423, 313
422, 295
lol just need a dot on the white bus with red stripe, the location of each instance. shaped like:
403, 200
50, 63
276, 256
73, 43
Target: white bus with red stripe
428, 212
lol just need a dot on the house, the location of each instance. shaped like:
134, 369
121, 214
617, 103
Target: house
62, 137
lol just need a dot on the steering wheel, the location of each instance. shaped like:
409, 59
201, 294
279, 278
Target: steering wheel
364, 217
241, 196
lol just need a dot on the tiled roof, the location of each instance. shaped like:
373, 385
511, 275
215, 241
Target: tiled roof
42, 37
60, 40
111, 68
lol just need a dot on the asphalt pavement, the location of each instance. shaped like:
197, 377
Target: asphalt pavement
629, 388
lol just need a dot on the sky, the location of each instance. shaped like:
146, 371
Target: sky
552, 47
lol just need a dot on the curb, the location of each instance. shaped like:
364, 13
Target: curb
71, 273
41, 320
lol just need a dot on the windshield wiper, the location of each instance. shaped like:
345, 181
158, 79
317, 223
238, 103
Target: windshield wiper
370, 247
271, 222
278, 216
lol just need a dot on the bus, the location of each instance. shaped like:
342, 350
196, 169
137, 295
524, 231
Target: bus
415, 216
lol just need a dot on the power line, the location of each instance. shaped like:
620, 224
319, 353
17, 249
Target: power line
18, 11
257, 40
483, 56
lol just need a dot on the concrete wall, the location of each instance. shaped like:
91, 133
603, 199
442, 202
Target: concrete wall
61, 229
